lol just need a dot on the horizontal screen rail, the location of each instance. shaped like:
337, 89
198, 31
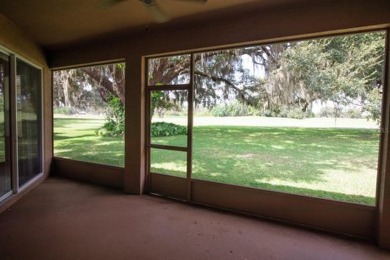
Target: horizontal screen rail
168, 147
170, 87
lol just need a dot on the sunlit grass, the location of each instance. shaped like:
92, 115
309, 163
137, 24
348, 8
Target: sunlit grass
336, 164
161, 162
76, 139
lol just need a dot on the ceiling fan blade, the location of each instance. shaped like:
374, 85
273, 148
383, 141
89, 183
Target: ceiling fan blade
157, 13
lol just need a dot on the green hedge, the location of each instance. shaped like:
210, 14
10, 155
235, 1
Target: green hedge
159, 129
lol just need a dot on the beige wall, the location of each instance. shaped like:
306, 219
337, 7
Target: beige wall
13, 40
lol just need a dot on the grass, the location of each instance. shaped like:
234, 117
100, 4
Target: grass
76, 139
336, 164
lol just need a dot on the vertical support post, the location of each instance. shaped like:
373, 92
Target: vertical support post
134, 179
383, 193
48, 123
148, 116
190, 124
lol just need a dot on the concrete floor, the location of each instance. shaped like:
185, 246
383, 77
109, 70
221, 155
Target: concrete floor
62, 219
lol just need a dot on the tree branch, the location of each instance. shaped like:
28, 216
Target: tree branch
226, 81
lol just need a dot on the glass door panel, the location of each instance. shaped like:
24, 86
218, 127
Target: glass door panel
29, 126
5, 169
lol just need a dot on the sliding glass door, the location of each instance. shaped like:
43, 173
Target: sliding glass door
20, 124
5, 164
28, 118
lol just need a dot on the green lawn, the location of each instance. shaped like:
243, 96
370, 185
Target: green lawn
76, 139
329, 163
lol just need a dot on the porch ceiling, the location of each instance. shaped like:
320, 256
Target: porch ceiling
57, 23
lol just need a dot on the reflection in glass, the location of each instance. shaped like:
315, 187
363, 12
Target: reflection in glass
29, 127
5, 170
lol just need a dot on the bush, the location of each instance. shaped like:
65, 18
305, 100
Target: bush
353, 113
65, 110
274, 112
267, 113
285, 112
327, 112
232, 109
159, 129
253, 111
219, 111
115, 119
297, 113
115, 123
112, 129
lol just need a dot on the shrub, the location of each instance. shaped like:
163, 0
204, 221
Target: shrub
115, 123
219, 111
297, 113
327, 112
269, 113
159, 129
253, 111
115, 119
353, 113
286, 112
65, 110
111, 128
232, 109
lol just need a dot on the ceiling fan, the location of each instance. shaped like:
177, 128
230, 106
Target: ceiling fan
157, 13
